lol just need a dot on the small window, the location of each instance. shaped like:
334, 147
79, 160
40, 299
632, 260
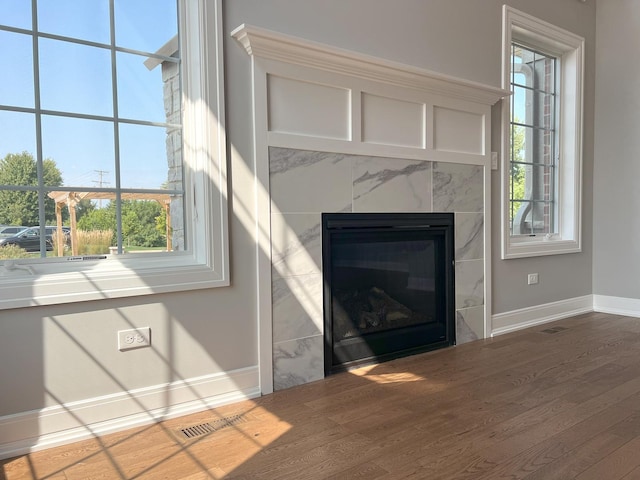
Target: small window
542, 152
533, 155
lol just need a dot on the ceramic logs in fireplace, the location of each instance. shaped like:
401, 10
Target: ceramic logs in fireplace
388, 286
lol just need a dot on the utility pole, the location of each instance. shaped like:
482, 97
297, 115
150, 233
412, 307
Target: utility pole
100, 183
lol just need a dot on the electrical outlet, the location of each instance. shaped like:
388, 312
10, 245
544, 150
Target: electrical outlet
135, 338
532, 278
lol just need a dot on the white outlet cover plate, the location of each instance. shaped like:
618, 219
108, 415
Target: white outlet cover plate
134, 338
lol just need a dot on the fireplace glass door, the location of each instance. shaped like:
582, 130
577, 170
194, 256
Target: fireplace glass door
388, 286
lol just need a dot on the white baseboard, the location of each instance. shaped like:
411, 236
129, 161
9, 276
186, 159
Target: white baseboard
528, 317
629, 307
61, 424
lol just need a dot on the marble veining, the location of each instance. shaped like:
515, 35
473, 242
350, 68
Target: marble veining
298, 361
469, 233
464, 333
297, 307
469, 283
284, 160
391, 185
296, 244
321, 183
473, 320
458, 188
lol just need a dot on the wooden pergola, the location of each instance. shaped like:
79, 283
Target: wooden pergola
71, 199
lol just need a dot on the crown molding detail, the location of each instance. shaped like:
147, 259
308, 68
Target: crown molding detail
263, 43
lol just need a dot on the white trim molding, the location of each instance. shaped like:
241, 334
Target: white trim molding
71, 422
540, 314
569, 49
278, 46
629, 307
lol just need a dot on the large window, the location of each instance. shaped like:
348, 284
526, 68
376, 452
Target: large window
92, 126
542, 137
107, 153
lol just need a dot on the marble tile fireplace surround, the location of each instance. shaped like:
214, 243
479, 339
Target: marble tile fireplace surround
304, 184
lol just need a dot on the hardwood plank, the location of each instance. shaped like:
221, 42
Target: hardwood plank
633, 475
616, 465
593, 450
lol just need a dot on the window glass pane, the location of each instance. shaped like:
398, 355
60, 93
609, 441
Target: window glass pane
35, 241
143, 224
83, 19
143, 156
538, 145
537, 220
550, 82
16, 83
519, 78
542, 105
18, 207
83, 150
143, 25
519, 105
18, 134
532, 192
16, 13
140, 90
96, 232
18, 169
75, 78
522, 55
519, 144
175, 223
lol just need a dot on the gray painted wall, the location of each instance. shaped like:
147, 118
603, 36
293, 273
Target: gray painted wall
67, 353
616, 194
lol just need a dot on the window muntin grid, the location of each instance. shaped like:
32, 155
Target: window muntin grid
48, 120
533, 142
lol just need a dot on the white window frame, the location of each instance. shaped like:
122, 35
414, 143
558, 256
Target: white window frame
204, 264
569, 49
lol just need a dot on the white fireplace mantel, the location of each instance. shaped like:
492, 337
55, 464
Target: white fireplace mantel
336, 130
271, 45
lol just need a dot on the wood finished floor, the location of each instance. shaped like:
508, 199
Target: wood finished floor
527, 405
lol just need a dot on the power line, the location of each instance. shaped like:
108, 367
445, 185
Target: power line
100, 183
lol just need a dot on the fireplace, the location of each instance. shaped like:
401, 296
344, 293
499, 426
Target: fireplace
388, 286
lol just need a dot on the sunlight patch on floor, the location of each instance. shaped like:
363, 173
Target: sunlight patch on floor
392, 377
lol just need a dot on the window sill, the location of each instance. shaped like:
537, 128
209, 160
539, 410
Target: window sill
523, 248
23, 285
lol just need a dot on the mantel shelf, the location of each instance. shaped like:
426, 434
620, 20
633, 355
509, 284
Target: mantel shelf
263, 43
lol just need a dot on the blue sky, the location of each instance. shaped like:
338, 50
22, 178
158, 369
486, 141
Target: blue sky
77, 78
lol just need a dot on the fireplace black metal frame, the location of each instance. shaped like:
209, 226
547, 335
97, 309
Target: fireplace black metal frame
438, 226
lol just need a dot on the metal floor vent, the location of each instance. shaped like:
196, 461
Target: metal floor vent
210, 427
553, 330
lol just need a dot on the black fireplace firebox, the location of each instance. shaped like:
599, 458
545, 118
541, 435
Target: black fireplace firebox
388, 286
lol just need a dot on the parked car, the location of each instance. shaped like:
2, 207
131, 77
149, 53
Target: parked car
29, 239
10, 230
